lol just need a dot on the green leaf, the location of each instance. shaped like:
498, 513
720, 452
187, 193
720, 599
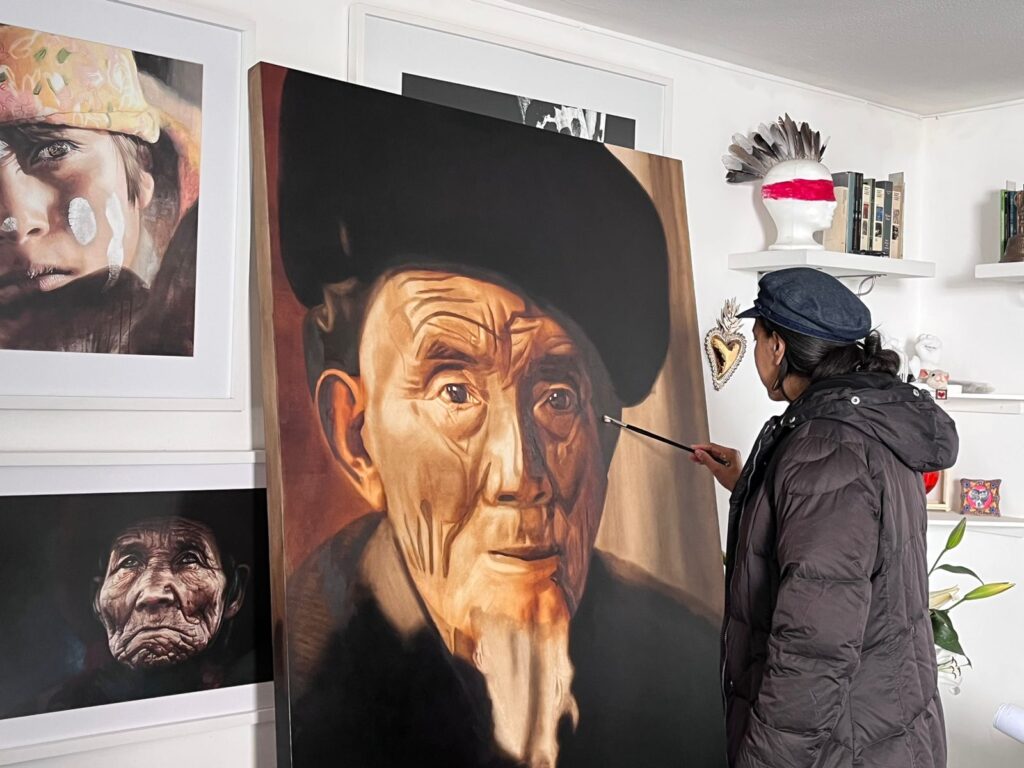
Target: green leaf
961, 570
945, 636
40, 54
956, 535
988, 590
62, 55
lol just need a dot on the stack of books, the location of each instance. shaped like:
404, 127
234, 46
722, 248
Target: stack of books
1010, 203
869, 215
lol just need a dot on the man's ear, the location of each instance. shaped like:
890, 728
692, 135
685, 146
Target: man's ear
236, 592
342, 405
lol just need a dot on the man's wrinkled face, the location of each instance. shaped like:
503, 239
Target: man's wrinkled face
163, 598
480, 421
64, 208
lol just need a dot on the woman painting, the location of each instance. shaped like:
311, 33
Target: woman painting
828, 655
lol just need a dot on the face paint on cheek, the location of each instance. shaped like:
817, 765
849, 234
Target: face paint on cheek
9, 224
82, 220
115, 251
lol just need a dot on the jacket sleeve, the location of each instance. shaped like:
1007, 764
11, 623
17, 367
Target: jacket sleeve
827, 530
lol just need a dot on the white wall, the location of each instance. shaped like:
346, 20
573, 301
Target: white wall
968, 157
710, 103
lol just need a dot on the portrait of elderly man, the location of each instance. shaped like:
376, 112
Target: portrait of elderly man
479, 295
99, 181
155, 594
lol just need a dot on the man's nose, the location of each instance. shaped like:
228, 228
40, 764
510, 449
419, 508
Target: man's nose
516, 471
155, 590
25, 203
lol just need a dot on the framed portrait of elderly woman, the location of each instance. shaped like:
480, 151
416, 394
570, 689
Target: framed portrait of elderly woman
122, 276
127, 609
470, 566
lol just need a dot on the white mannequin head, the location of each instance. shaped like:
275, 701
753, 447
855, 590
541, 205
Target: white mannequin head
799, 197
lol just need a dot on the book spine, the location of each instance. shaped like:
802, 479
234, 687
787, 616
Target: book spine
1004, 220
899, 206
834, 238
896, 232
878, 219
857, 183
867, 200
887, 223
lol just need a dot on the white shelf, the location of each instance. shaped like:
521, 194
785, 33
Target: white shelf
993, 403
999, 526
831, 262
1009, 273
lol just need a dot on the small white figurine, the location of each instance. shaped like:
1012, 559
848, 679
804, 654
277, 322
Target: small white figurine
927, 352
898, 345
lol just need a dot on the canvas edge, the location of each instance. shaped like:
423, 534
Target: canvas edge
261, 244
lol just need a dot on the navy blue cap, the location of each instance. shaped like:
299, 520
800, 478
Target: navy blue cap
812, 303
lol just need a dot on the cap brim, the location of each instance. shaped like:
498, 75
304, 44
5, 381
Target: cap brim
748, 314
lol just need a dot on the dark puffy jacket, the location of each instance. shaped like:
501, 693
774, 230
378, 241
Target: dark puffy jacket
827, 652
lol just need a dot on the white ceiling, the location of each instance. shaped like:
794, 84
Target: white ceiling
925, 56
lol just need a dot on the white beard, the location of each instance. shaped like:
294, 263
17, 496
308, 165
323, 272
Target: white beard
529, 679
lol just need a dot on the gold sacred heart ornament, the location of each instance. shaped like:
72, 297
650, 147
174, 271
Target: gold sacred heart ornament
725, 345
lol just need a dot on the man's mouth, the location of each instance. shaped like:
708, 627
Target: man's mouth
528, 553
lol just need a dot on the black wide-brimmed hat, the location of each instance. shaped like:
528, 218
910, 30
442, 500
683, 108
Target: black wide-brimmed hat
371, 182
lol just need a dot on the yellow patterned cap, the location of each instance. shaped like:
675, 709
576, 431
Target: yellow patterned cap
47, 78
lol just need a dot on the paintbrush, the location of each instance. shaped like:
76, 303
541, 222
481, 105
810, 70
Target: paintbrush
645, 433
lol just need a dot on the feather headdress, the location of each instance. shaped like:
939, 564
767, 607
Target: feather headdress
751, 157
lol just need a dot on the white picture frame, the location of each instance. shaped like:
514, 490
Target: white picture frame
214, 377
52, 734
384, 44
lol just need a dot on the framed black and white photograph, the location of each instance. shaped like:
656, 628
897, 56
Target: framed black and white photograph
122, 277
501, 77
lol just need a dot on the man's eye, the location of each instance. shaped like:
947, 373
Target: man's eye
131, 561
457, 394
55, 150
562, 400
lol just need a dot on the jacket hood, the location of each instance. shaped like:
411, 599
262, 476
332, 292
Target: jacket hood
902, 417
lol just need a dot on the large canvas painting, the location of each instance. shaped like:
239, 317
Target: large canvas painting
116, 597
99, 190
470, 567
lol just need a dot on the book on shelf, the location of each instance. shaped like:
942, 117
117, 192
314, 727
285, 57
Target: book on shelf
869, 217
878, 219
866, 214
1010, 203
839, 237
896, 220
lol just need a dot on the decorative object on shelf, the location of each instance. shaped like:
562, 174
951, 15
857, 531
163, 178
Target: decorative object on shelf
725, 345
936, 489
979, 497
947, 641
927, 353
1014, 251
898, 345
938, 381
797, 190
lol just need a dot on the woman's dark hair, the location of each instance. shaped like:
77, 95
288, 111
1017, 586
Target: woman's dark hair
818, 359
